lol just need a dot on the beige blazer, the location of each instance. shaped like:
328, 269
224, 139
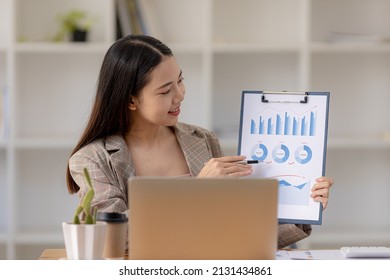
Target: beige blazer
111, 166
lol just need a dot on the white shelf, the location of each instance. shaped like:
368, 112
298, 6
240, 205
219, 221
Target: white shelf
350, 48
256, 48
184, 48
61, 47
50, 92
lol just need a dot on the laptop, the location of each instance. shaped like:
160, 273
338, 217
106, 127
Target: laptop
202, 219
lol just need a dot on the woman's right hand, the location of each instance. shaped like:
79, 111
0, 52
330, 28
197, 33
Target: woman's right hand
228, 166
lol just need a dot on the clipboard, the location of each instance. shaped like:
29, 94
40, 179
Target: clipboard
286, 132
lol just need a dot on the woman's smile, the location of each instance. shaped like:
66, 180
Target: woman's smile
175, 112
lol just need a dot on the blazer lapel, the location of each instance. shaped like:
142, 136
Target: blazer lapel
120, 157
195, 149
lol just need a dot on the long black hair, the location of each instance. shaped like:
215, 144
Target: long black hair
124, 73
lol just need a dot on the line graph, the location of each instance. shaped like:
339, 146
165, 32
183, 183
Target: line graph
293, 189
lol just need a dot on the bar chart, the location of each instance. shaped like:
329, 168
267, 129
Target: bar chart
284, 123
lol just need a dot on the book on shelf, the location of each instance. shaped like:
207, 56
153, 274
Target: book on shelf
123, 17
136, 17
129, 21
135, 20
149, 18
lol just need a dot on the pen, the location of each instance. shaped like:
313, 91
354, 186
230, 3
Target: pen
248, 161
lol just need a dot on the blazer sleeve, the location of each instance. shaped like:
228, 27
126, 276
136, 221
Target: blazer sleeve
290, 233
110, 196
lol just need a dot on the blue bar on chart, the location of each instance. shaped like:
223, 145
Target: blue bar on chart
253, 127
312, 124
278, 125
285, 124
261, 127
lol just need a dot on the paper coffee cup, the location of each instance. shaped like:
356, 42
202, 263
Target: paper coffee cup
115, 243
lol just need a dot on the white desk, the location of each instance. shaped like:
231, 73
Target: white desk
56, 254
309, 255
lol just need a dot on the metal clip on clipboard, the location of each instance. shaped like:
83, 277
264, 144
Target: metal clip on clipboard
304, 94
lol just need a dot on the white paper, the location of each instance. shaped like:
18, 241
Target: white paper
309, 255
288, 139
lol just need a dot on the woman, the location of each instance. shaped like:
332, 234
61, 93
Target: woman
134, 131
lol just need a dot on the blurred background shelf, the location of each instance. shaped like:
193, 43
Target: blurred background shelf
255, 48
223, 47
45, 143
59, 48
350, 48
50, 237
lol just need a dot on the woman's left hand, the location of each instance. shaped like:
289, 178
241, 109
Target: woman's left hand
320, 190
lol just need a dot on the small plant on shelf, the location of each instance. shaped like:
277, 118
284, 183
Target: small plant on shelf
75, 23
84, 210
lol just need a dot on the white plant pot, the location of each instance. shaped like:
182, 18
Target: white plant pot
84, 241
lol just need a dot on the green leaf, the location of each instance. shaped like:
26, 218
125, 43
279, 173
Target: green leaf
87, 200
85, 206
89, 219
87, 177
94, 215
76, 219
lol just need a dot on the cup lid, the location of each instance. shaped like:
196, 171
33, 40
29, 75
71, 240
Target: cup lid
112, 217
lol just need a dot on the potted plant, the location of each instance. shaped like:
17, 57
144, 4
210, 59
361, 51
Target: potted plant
85, 237
76, 24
